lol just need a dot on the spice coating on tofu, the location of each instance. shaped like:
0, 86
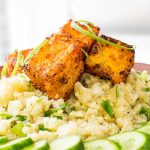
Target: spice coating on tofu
60, 63
110, 62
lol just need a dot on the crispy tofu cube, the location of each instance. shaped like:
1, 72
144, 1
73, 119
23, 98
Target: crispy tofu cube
110, 62
60, 63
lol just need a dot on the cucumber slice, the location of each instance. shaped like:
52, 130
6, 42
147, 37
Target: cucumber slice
68, 143
17, 144
145, 129
41, 145
133, 140
101, 144
3, 139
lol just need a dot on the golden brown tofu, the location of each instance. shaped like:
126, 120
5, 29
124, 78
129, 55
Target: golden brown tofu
59, 64
110, 62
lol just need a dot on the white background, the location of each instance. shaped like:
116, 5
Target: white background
25, 23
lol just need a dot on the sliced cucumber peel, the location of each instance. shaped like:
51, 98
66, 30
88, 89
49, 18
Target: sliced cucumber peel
17, 144
41, 145
3, 139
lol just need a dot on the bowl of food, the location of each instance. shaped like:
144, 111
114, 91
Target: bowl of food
78, 89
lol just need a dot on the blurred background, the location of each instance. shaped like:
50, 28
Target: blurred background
25, 23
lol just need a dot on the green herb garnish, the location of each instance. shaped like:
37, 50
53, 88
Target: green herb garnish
17, 64
88, 27
117, 91
48, 113
107, 107
73, 108
147, 89
21, 117
28, 125
86, 54
5, 115
39, 100
95, 37
17, 129
145, 111
32, 53
4, 70
42, 128
17, 117
85, 109
53, 110
58, 117
85, 21
63, 106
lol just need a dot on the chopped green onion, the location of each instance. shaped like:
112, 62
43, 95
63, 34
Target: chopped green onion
42, 128
142, 123
145, 111
22, 76
5, 115
68, 109
17, 129
86, 54
53, 110
8, 116
28, 125
4, 70
107, 107
21, 118
117, 91
95, 37
32, 53
17, 64
47, 113
85, 21
85, 109
59, 117
73, 108
39, 100
88, 27
22, 61
63, 105
147, 89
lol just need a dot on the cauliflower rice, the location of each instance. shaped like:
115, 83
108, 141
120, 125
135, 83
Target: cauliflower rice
82, 114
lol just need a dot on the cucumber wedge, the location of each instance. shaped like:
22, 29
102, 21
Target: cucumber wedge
17, 144
3, 139
68, 143
41, 145
145, 129
133, 140
102, 144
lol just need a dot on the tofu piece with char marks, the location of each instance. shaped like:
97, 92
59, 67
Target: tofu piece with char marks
110, 62
60, 63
